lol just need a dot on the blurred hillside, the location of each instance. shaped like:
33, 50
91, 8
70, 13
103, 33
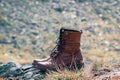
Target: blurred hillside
30, 28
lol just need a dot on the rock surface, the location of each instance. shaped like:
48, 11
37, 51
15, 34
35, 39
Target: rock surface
108, 73
14, 70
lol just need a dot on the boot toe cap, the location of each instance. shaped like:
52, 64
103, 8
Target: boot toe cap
44, 65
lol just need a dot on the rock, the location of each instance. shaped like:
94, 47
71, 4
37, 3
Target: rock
8, 69
91, 30
115, 77
28, 75
13, 70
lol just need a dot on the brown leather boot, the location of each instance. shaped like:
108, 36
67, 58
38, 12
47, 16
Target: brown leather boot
67, 53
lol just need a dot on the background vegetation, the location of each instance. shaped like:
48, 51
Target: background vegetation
31, 27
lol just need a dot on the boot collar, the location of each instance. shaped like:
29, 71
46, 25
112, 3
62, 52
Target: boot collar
64, 29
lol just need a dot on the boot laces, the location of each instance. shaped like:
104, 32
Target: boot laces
58, 48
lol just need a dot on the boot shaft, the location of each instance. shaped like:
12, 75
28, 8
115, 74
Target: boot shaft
68, 35
70, 40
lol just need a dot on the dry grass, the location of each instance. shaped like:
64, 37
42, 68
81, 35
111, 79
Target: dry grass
16, 55
86, 73
82, 74
99, 55
64, 75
